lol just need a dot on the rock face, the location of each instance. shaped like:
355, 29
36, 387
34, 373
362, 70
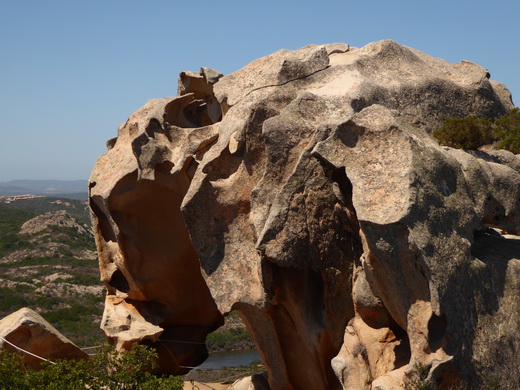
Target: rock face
27, 330
305, 192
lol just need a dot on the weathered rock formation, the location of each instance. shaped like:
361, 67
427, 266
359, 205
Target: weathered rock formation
53, 218
25, 329
305, 192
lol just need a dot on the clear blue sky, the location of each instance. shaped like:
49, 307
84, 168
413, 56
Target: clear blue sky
72, 71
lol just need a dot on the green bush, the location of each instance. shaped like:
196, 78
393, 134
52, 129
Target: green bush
507, 131
465, 133
473, 132
109, 369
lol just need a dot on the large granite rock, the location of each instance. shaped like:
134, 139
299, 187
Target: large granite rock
27, 333
305, 192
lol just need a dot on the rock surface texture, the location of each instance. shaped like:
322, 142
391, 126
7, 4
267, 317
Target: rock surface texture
29, 331
305, 192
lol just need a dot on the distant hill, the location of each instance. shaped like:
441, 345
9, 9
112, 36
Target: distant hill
74, 195
48, 262
78, 209
45, 187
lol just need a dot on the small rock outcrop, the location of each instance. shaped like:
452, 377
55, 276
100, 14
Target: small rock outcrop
53, 218
305, 192
29, 331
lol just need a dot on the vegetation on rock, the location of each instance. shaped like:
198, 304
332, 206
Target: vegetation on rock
465, 133
507, 131
472, 132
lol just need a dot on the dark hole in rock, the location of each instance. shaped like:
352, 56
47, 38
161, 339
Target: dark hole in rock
358, 104
436, 331
154, 126
119, 282
402, 352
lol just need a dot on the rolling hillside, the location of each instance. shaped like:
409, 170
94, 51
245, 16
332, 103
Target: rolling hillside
48, 262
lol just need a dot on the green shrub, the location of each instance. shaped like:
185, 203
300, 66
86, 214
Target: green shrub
465, 133
507, 131
109, 369
473, 132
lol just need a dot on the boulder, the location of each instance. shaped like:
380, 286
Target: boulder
315, 203
28, 331
254, 382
